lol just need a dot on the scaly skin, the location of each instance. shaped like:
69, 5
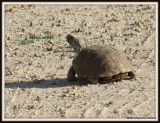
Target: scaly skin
75, 43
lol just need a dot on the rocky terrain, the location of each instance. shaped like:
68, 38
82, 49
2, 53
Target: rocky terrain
37, 60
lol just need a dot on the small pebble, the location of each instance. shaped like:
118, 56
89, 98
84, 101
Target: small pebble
58, 24
31, 35
41, 65
53, 24
9, 38
51, 49
17, 48
112, 102
75, 87
32, 107
101, 36
11, 9
34, 77
32, 24
15, 107
65, 95
110, 6
115, 111
23, 30
67, 9
51, 41
9, 73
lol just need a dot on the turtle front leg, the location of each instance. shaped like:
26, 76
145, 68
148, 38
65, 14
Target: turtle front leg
71, 74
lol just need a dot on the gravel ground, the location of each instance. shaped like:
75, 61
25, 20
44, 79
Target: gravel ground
37, 59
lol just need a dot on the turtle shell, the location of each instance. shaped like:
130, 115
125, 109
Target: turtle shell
99, 61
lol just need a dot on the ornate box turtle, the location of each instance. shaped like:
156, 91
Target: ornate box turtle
98, 63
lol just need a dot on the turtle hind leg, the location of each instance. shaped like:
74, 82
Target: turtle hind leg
124, 76
131, 75
71, 74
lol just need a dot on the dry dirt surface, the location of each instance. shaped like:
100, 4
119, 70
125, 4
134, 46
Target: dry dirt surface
37, 60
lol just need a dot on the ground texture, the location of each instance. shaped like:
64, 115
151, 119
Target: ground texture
37, 59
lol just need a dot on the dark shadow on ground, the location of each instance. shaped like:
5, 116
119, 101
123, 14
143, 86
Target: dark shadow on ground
51, 83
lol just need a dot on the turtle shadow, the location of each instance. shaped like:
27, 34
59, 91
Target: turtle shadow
50, 83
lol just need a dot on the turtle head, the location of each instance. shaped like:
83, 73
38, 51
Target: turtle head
75, 43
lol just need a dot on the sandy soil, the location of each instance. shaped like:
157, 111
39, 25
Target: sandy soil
35, 73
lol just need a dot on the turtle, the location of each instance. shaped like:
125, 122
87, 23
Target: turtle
98, 63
